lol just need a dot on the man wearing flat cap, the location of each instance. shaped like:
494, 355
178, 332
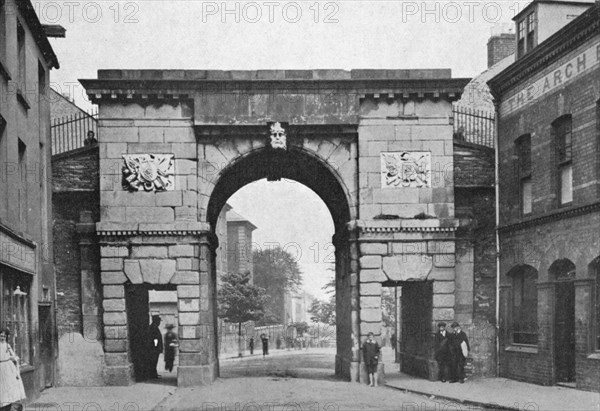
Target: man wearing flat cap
442, 352
459, 351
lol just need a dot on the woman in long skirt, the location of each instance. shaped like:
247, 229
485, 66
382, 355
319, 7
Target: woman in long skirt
11, 385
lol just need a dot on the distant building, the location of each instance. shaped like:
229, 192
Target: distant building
297, 306
549, 197
27, 280
239, 243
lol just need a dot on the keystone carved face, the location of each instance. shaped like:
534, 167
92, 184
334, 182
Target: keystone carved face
278, 136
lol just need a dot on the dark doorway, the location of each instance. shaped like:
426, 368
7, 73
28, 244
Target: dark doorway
564, 332
136, 302
416, 320
46, 345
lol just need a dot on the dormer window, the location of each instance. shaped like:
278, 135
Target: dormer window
526, 33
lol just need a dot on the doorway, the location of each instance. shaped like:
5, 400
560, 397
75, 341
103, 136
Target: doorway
564, 332
137, 306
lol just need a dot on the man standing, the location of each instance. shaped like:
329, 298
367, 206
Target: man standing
155, 344
371, 350
442, 352
170, 346
459, 351
265, 344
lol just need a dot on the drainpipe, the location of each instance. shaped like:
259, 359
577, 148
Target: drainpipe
497, 234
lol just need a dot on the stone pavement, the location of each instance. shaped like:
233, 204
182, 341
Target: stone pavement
499, 393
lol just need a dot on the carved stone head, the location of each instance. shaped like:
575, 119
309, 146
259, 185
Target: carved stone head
278, 136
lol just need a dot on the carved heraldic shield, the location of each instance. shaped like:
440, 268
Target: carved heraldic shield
148, 172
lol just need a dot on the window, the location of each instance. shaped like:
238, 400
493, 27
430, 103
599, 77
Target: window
524, 305
531, 26
23, 185
520, 38
562, 129
523, 148
22, 73
41, 81
15, 311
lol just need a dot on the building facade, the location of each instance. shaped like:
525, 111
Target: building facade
548, 108
27, 282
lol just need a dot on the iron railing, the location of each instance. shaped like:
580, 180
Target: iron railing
69, 132
474, 126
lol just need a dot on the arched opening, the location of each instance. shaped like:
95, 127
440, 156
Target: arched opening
299, 166
563, 273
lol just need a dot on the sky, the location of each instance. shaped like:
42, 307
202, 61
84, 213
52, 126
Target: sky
351, 34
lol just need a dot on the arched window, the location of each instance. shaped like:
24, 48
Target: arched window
524, 327
562, 129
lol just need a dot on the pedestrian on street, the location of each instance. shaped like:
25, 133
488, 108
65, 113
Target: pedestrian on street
265, 344
442, 352
371, 351
459, 351
155, 346
170, 347
251, 345
12, 392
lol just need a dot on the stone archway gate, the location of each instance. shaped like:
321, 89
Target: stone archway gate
175, 144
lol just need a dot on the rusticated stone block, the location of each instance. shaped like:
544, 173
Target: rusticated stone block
370, 315
114, 318
444, 260
118, 332
185, 264
111, 264
407, 267
441, 247
443, 300
149, 251
366, 328
373, 248
370, 261
189, 318
181, 250
190, 346
443, 287
115, 345
113, 277
113, 291
189, 358
133, 271
114, 252
370, 302
113, 359
189, 304
372, 276
186, 277
114, 304
443, 314
442, 274
188, 291
370, 289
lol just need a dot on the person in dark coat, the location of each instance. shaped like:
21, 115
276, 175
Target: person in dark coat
265, 344
251, 345
442, 352
155, 346
459, 350
170, 346
371, 351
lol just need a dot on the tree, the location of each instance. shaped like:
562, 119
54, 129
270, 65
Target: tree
388, 307
277, 271
239, 301
323, 311
301, 327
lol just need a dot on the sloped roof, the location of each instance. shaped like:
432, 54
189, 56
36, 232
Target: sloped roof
233, 217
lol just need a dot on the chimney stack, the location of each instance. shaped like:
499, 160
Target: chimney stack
501, 44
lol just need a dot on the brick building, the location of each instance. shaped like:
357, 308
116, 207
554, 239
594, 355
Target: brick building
548, 108
27, 282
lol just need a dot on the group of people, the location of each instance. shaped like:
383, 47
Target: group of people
451, 351
264, 338
155, 347
12, 392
